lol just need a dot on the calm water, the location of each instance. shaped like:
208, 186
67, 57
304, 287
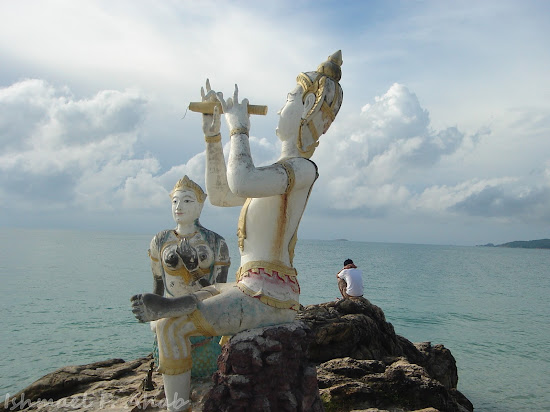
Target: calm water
65, 300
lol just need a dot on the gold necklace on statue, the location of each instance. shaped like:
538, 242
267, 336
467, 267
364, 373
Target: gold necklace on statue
188, 235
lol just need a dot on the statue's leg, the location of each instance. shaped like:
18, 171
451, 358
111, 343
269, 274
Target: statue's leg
175, 360
228, 313
176, 389
232, 311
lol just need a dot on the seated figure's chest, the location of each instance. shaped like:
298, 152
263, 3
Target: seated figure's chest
187, 263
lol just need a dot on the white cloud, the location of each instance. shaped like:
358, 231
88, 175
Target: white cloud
387, 160
84, 145
80, 153
473, 144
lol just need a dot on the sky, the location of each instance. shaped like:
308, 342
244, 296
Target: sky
443, 136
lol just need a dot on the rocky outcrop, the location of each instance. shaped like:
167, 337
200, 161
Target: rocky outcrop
350, 384
338, 356
363, 364
112, 385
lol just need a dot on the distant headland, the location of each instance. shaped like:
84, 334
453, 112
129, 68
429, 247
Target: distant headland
525, 244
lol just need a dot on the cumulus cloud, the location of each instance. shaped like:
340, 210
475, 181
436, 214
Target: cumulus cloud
79, 154
69, 152
388, 160
63, 149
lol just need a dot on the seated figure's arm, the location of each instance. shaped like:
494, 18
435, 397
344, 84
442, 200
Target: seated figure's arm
156, 268
217, 188
243, 178
222, 262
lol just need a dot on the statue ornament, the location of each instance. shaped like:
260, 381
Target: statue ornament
328, 98
273, 199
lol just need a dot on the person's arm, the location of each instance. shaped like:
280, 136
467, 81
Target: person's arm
217, 188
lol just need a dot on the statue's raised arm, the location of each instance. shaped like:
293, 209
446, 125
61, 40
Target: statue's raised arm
217, 187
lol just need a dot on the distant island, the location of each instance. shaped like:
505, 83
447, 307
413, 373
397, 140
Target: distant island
525, 244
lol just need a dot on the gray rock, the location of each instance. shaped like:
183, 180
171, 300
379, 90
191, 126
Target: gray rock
338, 356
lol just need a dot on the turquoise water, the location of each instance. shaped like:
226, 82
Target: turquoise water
65, 300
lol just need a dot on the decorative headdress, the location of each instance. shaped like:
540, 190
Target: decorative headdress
186, 183
328, 99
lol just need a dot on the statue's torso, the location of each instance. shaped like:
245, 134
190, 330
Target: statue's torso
179, 281
267, 236
268, 225
271, 223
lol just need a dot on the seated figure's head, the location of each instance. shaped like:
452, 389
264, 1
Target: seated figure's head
187, 201
327, 97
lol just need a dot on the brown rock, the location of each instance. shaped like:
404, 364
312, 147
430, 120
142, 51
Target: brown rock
343, 352
113, 385
266, 369
399, 386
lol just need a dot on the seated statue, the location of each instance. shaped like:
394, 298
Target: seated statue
184, 260
273, 199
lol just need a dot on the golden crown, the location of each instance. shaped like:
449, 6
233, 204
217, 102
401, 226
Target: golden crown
186, 183
315, 82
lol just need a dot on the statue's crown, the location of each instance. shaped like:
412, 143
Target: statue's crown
186, 183
332, 67
324, 83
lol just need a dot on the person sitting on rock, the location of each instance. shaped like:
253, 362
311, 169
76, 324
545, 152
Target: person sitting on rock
350, 280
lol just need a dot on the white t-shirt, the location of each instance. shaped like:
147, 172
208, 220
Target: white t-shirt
354, 280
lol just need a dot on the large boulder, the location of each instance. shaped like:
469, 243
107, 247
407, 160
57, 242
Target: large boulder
351, 384
266, 369
362, 363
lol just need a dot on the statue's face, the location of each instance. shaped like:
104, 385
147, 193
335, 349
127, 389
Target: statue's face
290, 114
185, 206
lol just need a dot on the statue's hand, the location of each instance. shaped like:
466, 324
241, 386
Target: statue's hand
188, 255
236, 114
210, 122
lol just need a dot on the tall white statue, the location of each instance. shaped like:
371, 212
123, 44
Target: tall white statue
273, 199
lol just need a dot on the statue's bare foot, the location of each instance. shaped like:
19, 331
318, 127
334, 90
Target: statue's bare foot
149, 307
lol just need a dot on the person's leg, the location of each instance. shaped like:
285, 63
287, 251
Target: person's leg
342, 285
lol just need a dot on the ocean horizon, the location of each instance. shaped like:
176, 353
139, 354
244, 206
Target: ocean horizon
66, 302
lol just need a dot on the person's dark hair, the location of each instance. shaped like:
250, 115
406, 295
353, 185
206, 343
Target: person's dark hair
348, 262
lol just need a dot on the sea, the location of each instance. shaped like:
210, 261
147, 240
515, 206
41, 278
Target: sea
65, 300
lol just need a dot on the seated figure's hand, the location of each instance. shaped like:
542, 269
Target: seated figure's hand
210, 122
236, 114
188, 255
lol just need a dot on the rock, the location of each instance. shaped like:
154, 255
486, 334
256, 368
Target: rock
351, 384
354, 328
362, 363
338, 356
266, 369
112, 385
